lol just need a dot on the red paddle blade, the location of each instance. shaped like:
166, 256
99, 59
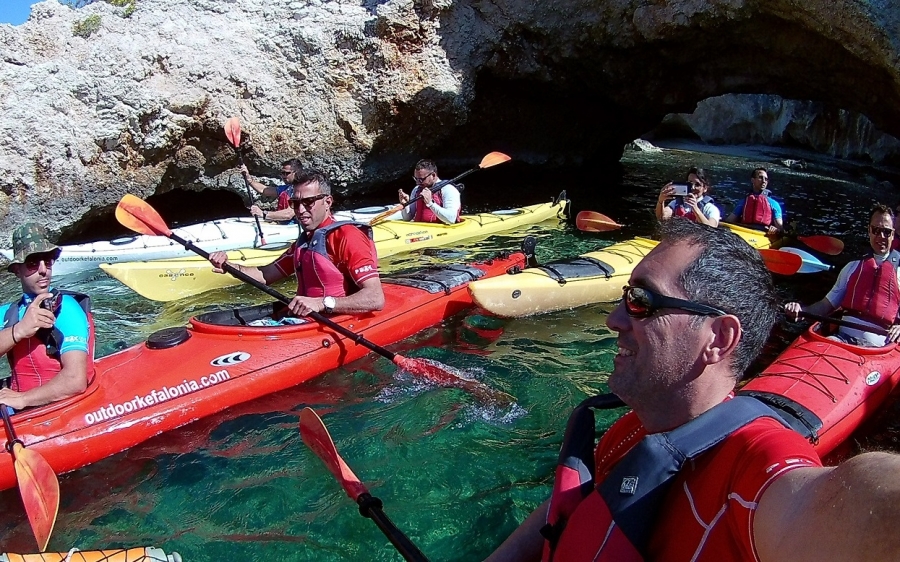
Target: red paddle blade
136, 214
828, 245
233, 131
782, 263
442, 375
590, 221
493, 158
39, 489
316, 436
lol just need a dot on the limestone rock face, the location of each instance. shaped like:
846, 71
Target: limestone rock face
772, 120
363, 88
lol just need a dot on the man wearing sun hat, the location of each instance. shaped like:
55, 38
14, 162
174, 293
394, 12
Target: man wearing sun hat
46, 335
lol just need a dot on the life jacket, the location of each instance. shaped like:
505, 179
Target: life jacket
872, 292
284, 200
688, 212
33, 365
615, 520
424, 214
757, 209
317, 275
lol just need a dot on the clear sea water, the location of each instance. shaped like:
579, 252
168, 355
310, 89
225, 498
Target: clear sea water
455, 475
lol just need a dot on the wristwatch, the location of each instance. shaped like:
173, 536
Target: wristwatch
329, 303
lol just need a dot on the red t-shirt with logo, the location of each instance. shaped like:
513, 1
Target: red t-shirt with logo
349, 249
708, 513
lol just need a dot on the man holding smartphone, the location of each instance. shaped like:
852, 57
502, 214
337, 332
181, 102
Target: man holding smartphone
46, 336
689, 200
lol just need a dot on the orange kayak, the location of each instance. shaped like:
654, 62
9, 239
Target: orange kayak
220, 359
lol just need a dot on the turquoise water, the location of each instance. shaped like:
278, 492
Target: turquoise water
455, 475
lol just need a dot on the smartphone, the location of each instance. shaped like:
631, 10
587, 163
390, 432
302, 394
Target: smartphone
51, 303
681, 189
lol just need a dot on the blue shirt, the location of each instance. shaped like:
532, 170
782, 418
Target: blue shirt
71, 321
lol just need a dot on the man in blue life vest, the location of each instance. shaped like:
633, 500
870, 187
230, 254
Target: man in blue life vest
283, 211
440, 205
686, 333
335, 262
867, 289
46, 337
759, 209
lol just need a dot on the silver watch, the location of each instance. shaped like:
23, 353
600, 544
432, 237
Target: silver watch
329, 303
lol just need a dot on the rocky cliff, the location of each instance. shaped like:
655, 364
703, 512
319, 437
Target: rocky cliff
365, 88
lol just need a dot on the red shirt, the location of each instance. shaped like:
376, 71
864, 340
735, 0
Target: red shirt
708, 514
350, 250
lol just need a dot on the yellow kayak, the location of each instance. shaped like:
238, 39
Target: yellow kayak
593, 277
168, 280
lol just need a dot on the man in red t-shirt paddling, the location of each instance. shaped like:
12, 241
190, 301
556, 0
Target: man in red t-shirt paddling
335, 262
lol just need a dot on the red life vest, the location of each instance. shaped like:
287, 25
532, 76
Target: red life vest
424, 214
317, 275
688, 212
614, 521
284, 200
757, 209
35, 361
872, 292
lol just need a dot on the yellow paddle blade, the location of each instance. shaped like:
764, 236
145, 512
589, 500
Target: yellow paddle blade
233, 131
40, 492
381, 217
493, 159
136, 214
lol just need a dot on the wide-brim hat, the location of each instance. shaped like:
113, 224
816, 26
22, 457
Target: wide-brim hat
30, 238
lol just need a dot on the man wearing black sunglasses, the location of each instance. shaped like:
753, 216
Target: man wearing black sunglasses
47, 338
283, 211
335, 262
867, 289
696, 312
437, 205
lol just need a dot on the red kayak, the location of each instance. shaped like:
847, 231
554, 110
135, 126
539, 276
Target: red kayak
827, 389
222, 358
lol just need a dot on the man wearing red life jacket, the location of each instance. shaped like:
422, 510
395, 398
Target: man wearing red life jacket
437, 205
867, 289
282, 193
46, 337
335, 262
686, 333
759, 209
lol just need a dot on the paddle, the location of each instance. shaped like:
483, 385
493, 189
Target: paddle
135, 214
491, 159
590, 221
846, 324
38, 485
828, 245
811, 264
316, 436
233, 132
782, 263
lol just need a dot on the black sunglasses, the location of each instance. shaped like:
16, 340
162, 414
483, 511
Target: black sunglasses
881, 231
643, 303
307, 202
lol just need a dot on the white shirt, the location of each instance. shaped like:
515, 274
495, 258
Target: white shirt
452, 202
708, 209
836, 296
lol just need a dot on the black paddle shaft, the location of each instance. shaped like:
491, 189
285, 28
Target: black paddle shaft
249, 194
829, 320
357, 338
370, 506
440, 185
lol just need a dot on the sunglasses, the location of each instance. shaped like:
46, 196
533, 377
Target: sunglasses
422, 180
308, 202
643, 303
286, 174
33, 262
881, 231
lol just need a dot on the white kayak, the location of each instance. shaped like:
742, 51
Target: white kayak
237, 233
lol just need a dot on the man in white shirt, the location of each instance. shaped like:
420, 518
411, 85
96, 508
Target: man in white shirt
436, 205
867, 289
